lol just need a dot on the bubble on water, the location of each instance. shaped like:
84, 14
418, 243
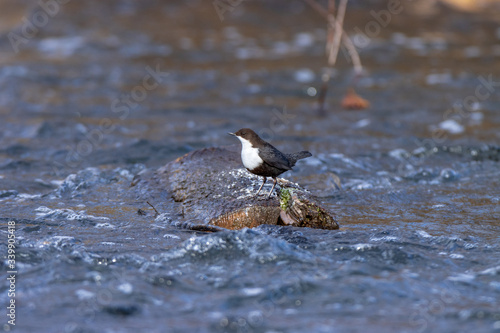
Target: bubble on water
255, 318
311, 91
448, 175
224, 322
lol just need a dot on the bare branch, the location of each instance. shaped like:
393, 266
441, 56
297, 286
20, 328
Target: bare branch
334, 51
153, 208
329, 28
353, 53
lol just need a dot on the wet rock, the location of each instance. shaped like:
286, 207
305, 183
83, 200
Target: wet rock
121, 309
8, 193
32, 229
212, 189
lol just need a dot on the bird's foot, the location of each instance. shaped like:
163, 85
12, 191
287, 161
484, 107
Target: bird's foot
273, 193
261, 197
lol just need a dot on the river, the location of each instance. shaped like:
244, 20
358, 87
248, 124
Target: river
94, 93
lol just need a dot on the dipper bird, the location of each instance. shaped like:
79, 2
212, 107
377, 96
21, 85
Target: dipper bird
262, 159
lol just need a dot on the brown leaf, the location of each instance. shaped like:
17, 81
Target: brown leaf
352, 101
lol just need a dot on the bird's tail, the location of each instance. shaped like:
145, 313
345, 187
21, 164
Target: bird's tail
293, 158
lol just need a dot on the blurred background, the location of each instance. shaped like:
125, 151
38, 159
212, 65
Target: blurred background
65, 67
95, 92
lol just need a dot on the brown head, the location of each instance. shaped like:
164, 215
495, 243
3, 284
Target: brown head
250, 136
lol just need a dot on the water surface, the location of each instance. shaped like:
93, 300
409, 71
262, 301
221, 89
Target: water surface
82, 114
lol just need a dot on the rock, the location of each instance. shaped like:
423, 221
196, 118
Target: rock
213, 189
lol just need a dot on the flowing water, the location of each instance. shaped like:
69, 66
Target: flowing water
102, 91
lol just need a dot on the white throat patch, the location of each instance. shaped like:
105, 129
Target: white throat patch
249, 155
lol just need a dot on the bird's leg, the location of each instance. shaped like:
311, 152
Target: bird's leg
270, 192
260, 188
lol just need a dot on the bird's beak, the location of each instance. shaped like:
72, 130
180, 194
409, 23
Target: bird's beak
231, 133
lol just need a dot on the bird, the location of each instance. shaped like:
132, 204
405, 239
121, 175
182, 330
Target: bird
263, 159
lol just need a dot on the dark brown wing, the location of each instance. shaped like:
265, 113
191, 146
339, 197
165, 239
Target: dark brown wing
274, 157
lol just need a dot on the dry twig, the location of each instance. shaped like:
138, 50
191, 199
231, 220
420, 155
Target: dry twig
335, 36
153, 208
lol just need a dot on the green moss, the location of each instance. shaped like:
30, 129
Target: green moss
285, 197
